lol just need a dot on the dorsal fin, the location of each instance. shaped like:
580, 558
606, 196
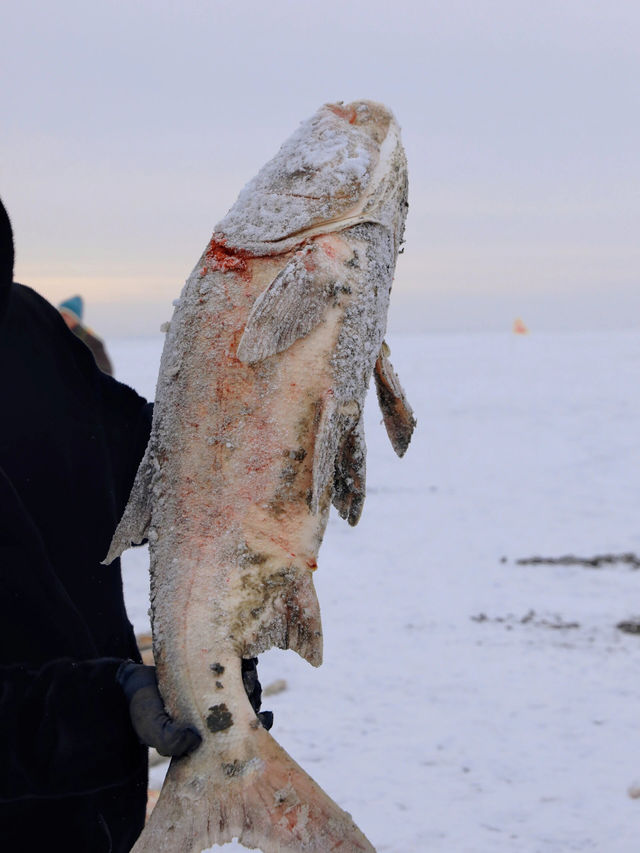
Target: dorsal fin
397, 414
134, 524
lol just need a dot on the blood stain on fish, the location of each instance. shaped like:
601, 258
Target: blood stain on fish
347, 113
224, 259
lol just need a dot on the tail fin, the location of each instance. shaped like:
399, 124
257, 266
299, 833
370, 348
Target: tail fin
267, 802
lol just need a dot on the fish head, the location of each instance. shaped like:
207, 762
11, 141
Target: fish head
343, 166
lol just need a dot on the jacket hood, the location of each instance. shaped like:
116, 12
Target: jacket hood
6, 258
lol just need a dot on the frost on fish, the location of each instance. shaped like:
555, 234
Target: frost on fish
257, 431
322, 180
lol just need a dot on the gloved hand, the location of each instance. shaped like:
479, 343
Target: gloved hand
254, 691
150, 721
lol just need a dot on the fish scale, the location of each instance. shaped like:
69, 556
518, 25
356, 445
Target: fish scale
257, 429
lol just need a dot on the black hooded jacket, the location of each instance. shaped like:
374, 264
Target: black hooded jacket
73, 775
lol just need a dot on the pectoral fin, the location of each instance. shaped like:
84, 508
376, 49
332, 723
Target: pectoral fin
396, 412
293, 304
134, 524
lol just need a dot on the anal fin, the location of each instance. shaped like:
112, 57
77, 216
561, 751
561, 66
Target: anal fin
284, 612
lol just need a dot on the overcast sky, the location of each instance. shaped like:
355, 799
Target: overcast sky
128, 129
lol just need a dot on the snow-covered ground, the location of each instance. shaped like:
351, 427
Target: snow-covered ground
467, 703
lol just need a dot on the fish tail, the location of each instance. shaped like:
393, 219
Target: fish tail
267, 803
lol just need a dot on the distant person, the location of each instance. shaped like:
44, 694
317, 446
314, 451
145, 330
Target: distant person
72, 310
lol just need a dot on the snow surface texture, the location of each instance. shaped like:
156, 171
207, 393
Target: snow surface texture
458, 732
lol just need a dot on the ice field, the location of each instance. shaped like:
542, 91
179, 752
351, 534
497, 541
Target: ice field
466, 702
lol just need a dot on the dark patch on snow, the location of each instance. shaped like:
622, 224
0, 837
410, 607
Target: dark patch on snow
217, 668
554, 621
595, 562
629, 626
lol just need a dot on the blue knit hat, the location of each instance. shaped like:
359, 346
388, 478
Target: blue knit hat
74, 304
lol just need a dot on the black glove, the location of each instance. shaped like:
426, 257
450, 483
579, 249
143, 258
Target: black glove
254, 691
150, 721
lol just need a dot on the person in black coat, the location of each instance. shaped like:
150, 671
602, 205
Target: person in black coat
74, 700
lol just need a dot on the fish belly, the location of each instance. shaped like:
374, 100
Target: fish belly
233, 544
